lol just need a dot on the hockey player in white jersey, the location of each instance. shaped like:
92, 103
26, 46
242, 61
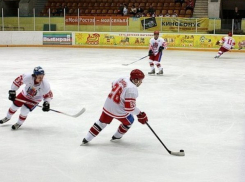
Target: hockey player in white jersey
227, 43
36, 89
121, 105
157, 44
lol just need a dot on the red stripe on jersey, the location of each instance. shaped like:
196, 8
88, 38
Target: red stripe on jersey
26, 98
129, 104
17, 85
113, 115
129, 110
126, 99
48, 95
18, 81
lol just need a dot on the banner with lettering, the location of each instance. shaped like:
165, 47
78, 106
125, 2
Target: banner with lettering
116, 39
57, 38
170, 24
96, 20
143, 39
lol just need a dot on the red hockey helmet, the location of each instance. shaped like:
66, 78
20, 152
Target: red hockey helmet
137, 74
156, 32
230, 34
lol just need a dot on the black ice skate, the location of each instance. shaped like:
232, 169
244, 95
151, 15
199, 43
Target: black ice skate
152, 72
114, 138
160, 72
4, 120
16, 126
84, 142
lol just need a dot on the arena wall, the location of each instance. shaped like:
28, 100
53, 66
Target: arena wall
129, 40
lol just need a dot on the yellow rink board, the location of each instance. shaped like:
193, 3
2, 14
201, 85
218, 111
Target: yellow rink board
141, 40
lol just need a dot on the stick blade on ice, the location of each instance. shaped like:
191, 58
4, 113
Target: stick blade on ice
177, 153
79, 113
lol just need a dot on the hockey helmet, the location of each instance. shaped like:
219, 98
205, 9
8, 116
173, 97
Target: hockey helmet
230, 34
38, 71
137, 74
156, 32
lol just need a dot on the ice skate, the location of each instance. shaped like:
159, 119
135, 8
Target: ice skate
84, 142
216, 57
16, 126
152, 72
4, 120
160, 72
113, 139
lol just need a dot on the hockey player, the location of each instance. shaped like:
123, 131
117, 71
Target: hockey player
121, 105
36, 88
227, 43
155, 53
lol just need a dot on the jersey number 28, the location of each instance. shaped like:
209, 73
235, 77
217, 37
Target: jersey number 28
116, 93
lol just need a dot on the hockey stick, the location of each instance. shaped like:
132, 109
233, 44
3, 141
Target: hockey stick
135, 61
74, 116
180, 153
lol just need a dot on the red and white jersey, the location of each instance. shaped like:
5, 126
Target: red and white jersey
122, 100
155, 44
228, 42
32, 91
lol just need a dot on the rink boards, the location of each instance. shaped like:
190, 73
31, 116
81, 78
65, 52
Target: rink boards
112, 40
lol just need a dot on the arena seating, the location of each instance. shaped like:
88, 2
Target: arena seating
110, 7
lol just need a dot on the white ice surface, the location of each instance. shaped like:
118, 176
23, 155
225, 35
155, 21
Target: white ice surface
198, 105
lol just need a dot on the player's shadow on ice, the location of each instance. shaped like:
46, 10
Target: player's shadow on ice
225, 58
5, 125
119, 145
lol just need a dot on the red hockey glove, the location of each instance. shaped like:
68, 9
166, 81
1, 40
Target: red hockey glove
142, 118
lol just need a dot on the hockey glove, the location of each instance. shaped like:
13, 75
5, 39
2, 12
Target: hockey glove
46, 106
12, 95
217, 43
150, 53
160, 49
142, 118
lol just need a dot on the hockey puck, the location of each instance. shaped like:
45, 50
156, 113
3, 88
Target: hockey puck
182, 151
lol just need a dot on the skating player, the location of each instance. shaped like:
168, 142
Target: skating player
36, 89
121, 105
227, 43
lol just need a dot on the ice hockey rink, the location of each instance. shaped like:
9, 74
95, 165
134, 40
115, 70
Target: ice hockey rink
198, 106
